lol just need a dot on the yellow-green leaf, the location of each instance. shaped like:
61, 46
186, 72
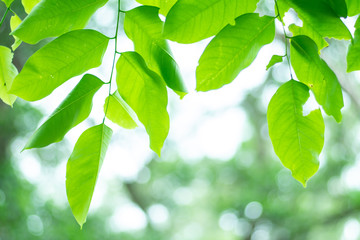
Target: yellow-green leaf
7, 74
163, 5
14, 23
29, 4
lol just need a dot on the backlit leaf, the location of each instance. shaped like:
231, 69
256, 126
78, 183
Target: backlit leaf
7, 74
232, 50
144, 27
146, 94
190, 21
52, 18
339, 6
72, 111
297, 139
14, 22
163, 5
353, 56
353, 7
319, 20
274, 60
7, 2
29, 4
83, 168
119, 112
316, 74
65, 57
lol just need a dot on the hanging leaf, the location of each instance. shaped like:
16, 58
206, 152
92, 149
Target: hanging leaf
274, 60
65, 57
353, 56
7, 74
144, 27
52, 18
119, 112
190, 21
72, 111
316, 74
232, 50
29, 4
146, 94
14, 22
339, 7
319, 20
297, 139
163, 5
353, 7
83, 168
7, 2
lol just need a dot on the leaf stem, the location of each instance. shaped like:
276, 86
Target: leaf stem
3, 18
287, 54
114, 58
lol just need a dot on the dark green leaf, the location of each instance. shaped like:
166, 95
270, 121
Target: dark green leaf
339, 7
52, 18
163, 5
190, 21
232, 50
146, 94
72, 111
7, 74
319, 20
297, 139
316, 74
83, 168
274, 60
67, 56
119, 112
144, 27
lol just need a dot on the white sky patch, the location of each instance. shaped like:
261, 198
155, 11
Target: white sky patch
126, 218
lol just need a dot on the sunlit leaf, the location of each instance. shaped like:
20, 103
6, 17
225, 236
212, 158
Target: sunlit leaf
316, 74
83, 168
319, 20
146, 94
7, 2
14, 22
163, 5
52, 18
297, 139
353, 56
119, 112
232, 50
190, 21
29, 4
72, 111
144, 27
353, 7
274, 60
7, 74
65, 57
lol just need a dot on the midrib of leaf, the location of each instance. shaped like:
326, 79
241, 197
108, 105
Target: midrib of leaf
60, 69
125, 108
229, 63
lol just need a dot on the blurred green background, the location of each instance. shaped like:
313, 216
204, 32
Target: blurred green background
248, 195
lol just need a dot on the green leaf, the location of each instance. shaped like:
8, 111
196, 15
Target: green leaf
190, 21
353, 7
232, 50
316, 74
144, 27
274, 60
119, 112
7, 74
163, 5
297, 139
52, 18
65, 57
353, 56
83, 168
319, 20
72, 111
7, 2
29, 4
14, 22
146, 94
339, 7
